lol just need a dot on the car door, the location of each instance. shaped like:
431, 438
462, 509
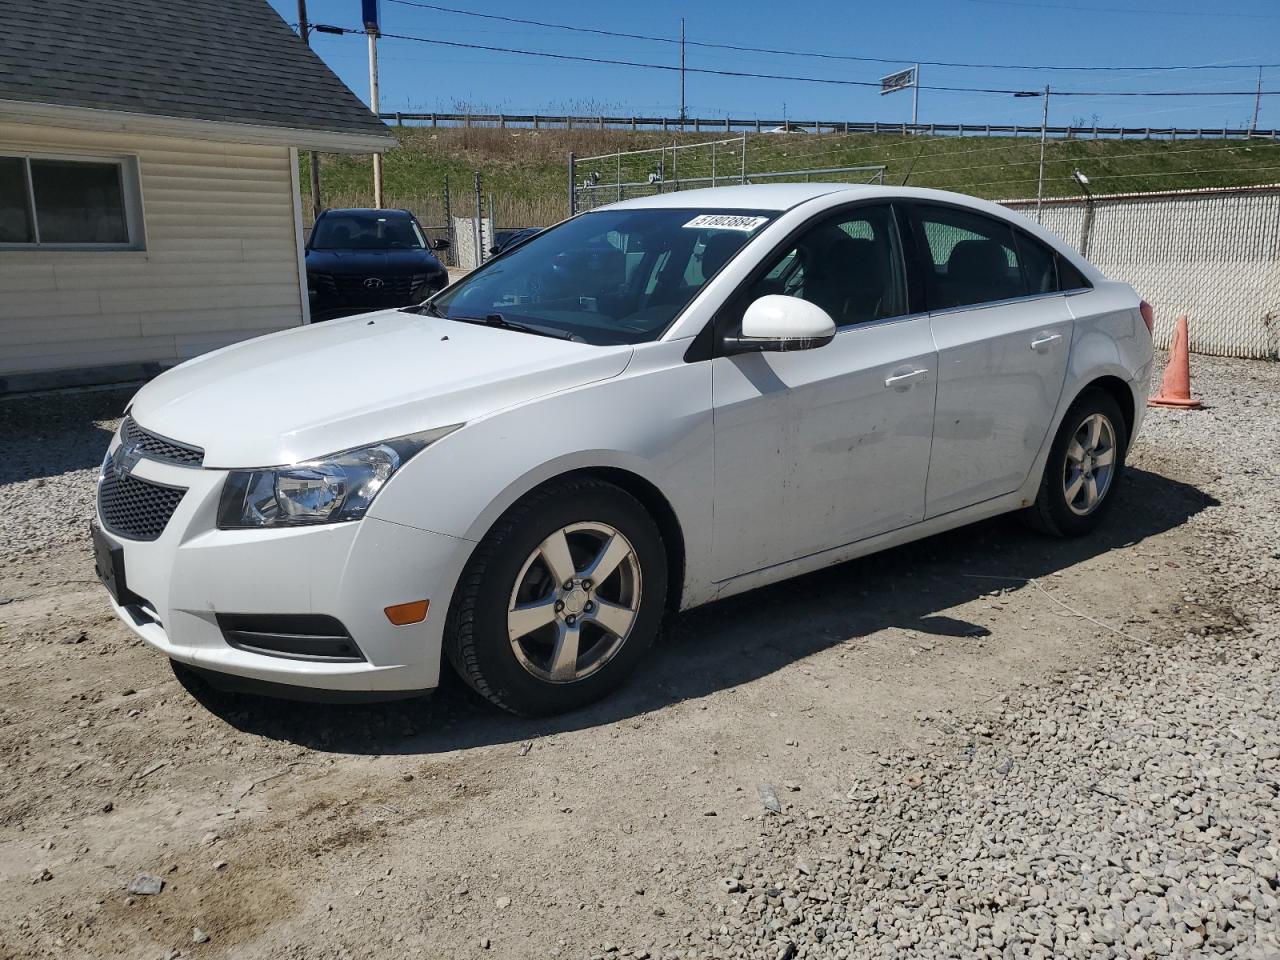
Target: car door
818, 448
1003, 333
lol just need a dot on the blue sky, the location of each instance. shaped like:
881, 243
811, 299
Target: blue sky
422, 77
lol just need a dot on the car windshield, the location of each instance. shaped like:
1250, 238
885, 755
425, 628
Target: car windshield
608, 277
366, 231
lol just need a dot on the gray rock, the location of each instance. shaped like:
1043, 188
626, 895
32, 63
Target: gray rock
145, 885
769, 797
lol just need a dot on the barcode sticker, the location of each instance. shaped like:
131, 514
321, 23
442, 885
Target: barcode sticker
725, 221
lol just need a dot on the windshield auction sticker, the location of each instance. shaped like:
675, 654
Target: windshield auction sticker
724, 221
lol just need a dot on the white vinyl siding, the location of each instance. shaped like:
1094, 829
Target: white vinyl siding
220, 264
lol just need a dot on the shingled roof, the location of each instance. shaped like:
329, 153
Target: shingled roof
229, 61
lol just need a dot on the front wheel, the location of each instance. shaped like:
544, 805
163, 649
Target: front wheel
1084, 467
560, 600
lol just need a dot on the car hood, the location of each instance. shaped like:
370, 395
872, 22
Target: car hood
372, 261
310, 391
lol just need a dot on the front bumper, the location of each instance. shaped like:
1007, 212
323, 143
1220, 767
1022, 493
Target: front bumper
350, 571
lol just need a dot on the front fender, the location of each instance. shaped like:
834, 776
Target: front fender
653, 421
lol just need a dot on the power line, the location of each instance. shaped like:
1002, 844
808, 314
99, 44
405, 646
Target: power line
741, 48
633, 63
1004, 91
1214, 12
1159, 93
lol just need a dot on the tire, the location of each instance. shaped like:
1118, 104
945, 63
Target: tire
1055, 512
513, 572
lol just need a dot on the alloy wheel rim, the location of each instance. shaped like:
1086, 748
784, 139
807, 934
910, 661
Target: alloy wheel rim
1090, 466
574, 603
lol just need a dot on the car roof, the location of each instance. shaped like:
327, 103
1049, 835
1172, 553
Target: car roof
785, 196
757, 196
370, 211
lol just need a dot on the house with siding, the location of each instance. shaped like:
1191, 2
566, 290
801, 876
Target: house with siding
149, 201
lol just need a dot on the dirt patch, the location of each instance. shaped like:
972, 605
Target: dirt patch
434, 826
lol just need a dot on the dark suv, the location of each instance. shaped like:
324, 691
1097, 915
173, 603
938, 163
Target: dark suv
361, 260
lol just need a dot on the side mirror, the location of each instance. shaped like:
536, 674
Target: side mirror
495, 249
440, 244
775, 323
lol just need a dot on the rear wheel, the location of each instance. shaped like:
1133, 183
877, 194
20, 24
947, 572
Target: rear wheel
1084, 467
560, 600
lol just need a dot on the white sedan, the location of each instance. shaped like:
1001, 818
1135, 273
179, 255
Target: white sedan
647, 407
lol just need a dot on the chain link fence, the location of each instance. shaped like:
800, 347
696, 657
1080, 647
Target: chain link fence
611, 177
1211, 254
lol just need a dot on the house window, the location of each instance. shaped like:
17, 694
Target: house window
75, 203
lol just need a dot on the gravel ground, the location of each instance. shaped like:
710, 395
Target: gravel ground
53, 444
916, 754
1127, 810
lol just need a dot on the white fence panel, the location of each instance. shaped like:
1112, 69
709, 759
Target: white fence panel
1213, 255
471, 240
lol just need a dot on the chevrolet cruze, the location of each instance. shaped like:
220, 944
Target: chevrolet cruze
647, 407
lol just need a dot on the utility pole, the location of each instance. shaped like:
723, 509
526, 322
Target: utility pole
371, 28
1044, 139
1257, 103
451, 252
313, 158
1086, 228
682, 113
915, 99
573, 184
479, 230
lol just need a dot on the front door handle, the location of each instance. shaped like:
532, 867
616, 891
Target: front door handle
901, 381
1043, 343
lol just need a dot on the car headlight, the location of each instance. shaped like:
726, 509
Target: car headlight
328, 490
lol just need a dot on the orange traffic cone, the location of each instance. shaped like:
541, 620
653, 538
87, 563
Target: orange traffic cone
1175, 388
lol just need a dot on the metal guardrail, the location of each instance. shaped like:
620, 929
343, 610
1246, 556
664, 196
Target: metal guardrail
727, 124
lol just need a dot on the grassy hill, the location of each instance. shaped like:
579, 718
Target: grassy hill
524, 170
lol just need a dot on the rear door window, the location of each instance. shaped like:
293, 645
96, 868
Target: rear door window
970, 258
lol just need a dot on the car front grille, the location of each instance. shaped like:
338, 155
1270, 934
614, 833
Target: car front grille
155, 447
359, 288
133, 508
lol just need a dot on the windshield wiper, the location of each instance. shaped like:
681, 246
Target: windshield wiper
428, 307
502, 323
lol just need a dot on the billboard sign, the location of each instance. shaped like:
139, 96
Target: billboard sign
903, 80
369, 12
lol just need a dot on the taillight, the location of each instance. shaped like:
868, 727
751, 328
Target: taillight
1148, 316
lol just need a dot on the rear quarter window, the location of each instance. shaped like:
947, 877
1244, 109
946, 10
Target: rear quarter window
1069, 277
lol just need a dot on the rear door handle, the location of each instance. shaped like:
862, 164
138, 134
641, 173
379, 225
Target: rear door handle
900, 381
1045, 342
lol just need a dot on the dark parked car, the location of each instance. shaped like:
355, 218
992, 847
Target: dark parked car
506, 239
361, 260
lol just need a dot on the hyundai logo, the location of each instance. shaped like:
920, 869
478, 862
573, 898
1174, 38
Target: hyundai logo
373, 283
